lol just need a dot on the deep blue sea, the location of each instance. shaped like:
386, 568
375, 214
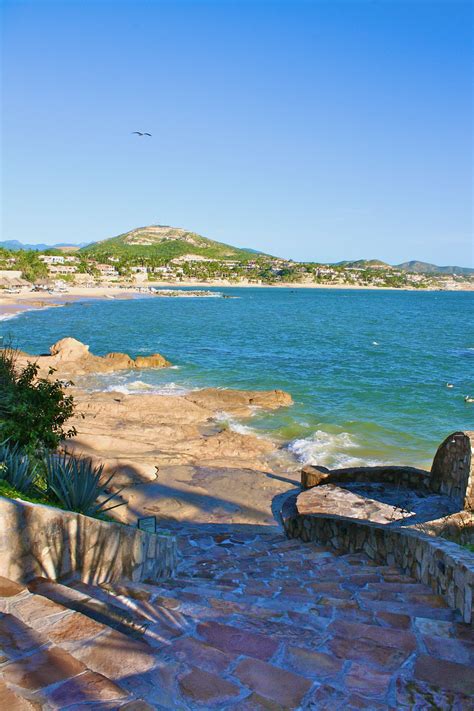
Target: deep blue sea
367, 369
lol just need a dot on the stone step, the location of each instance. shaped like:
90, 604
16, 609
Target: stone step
36, 669
196, 684
251, 622
311, 613
334, 593
193, 605
268, 620
85, 599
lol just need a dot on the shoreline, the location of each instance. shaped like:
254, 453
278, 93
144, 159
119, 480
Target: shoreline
12, 305
173, 459
173, 456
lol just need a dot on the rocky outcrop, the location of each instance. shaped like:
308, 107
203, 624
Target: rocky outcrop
177, 460
69, 357
121, 360
155, 360
173, 454
240, 401
69, 349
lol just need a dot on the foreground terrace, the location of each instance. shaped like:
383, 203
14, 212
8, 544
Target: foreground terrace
346, 592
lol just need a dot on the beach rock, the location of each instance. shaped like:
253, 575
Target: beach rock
152, 361
313, 476
240, 401
69, 357
176, 461
120, 360
69, 349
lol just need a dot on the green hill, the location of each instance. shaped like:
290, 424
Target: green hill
160, 242
364, 264
427, 268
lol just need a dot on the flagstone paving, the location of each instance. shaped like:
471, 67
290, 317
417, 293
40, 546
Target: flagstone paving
252, 621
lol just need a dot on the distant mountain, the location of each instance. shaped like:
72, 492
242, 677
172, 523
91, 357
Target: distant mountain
364, 264
164, 242
426, 268
413, 266
14, 245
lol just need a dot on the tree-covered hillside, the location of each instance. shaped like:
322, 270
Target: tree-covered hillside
162, 243
364, 264
427, 268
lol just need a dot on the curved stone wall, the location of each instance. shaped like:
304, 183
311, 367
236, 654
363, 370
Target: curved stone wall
452, 472
446, 567
409, 477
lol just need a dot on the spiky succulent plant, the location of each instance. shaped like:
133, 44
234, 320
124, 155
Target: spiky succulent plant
16, 467
76, 482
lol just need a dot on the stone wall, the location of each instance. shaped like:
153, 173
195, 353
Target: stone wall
38, 540
446, 567
409, 477
452, 472
459, 527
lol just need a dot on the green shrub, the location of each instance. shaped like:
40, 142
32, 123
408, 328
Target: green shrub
76, 483
31, 266
16, 468
33, 410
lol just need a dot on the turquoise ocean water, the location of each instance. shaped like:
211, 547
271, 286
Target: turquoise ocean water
367, 369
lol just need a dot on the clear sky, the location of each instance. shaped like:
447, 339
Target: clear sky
321, 130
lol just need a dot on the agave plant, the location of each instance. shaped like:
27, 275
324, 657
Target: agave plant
77, 484
16, 467
3, 465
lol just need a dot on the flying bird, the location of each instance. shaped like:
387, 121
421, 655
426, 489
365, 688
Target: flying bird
139, 133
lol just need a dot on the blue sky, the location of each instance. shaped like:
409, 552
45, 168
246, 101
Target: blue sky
313, 130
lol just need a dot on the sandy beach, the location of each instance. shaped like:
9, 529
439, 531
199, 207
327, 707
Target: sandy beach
12, 304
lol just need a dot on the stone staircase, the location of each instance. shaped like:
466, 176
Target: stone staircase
253, 621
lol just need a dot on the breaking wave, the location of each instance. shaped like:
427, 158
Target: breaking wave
138, 387
330, 450
8, 317
233, 424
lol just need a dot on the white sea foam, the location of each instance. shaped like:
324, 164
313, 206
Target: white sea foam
26, 310
329, 450
8, 317
138, 387
234, 425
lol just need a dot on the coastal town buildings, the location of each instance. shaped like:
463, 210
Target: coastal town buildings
125, 265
